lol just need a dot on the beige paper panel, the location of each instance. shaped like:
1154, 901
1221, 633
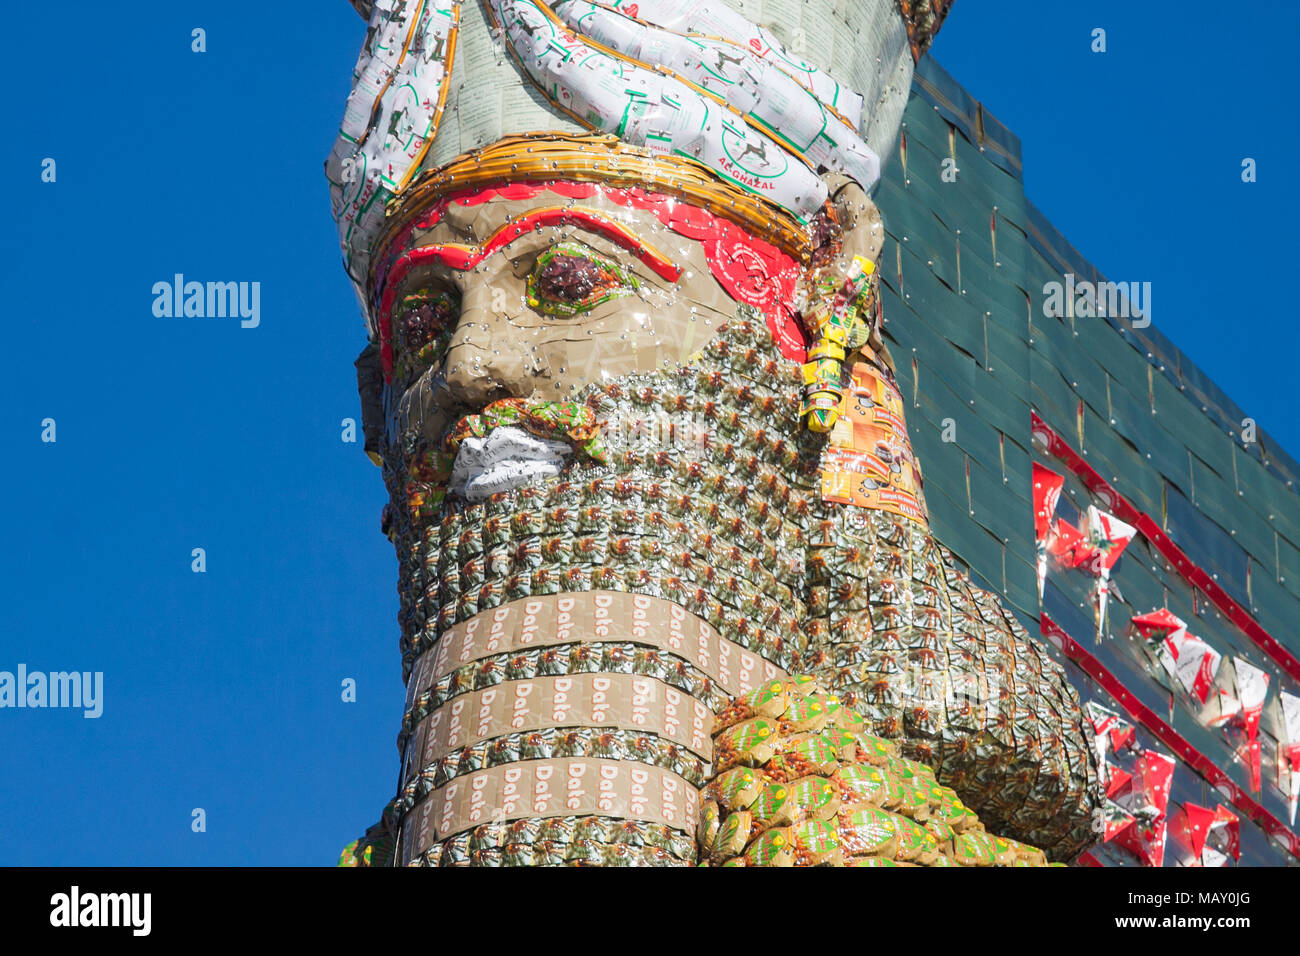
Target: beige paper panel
605, 616
622, 701
548, 788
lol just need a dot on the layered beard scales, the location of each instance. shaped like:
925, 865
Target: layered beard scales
585, 627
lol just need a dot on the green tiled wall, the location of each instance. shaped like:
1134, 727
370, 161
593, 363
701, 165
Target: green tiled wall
963, 271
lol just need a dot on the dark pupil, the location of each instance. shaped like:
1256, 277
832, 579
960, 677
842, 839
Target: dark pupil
423, 322
571, 278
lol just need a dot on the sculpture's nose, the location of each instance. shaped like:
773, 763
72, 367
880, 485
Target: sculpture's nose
486, 359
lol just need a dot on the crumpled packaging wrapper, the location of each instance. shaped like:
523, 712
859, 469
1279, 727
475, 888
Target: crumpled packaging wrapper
923, 19
805, 784
688, 579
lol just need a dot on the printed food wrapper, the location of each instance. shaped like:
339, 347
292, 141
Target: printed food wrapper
869, 461
1068, 545
755, 86
1286, 727
735, 789
1108, 537
838, 809
399, 91
1252, 688
506, 458
624, 701
1212, 835
1238, 700
558, 619
1146, 799
654, 109
1113, 820
1192, 662
554, 787
714, 18
1110, 731
1047, 486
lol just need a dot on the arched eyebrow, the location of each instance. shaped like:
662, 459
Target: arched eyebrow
464, 256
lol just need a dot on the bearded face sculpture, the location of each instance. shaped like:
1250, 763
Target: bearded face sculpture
646, 454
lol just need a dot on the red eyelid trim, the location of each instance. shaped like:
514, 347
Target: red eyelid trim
459, 256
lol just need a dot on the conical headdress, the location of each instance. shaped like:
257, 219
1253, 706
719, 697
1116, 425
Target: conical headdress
739, 104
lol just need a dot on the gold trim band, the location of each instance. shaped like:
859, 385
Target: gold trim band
605, 159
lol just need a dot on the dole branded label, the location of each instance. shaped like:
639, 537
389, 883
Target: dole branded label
724, 664
530, 626
670, 715
670, 810
560, 706
443, 656
449, 796
638, 791
485, 711
477, 798
467, 641
564, 619
748, 667
642, 691
498, 635
640, 617
510, 790
520, 710
542, 795
455, 725
608, 774
599, 699
675, 617
602, 617
574, 787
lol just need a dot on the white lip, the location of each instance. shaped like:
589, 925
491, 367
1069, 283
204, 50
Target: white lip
505, 458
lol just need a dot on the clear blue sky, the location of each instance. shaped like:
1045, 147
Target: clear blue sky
222, 690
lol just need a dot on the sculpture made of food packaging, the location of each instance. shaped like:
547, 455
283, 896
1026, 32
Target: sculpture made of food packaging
802, 782
668, 593
836, 317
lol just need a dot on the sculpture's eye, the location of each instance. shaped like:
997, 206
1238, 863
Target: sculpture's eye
425, 321
426, 315
570, 278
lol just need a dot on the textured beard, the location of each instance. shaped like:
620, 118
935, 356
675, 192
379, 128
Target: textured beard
711, 499
708, 451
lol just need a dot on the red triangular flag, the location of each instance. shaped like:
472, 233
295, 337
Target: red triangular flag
1195, 823
1119, 779
1047, 491
1068, 545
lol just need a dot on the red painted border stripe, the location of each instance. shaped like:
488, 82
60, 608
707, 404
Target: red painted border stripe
1150, 529
1168, 736
466, 257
